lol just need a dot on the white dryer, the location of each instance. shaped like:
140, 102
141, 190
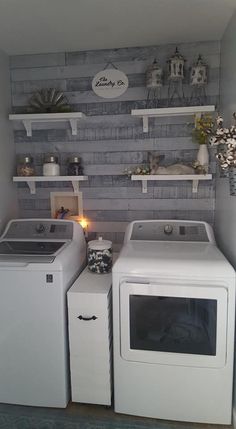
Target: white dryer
39, 260
173, 318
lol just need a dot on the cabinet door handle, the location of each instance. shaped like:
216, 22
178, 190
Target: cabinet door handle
86, 318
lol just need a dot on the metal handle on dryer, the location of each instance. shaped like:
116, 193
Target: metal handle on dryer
86, 318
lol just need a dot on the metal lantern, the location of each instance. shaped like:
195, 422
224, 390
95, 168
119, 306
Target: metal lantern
198, 73
153, 84
175, 77
176, 66
198, 81
154, 76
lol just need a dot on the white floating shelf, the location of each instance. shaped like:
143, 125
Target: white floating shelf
145, 114
29, 119
193, 177
31, 180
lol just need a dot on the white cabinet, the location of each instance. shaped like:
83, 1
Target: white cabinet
90, 338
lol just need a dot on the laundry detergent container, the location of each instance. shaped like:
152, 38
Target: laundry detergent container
100, 256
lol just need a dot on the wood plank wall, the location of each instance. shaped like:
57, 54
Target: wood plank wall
110, 140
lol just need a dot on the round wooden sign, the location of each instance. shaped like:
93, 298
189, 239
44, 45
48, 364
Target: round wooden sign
110, 83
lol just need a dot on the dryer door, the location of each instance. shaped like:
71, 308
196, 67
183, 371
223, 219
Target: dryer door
173, 324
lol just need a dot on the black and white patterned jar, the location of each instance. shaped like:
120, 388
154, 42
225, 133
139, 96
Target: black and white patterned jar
100, 256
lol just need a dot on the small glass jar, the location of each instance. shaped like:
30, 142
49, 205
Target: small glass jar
25, 167
74, 166
51, 166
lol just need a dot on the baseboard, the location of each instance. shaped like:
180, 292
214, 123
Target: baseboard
234, 418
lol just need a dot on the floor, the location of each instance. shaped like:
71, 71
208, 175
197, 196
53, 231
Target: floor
78, 416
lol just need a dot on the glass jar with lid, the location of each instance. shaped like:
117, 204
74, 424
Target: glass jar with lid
100, 256
74, 166
25, 166
51, 166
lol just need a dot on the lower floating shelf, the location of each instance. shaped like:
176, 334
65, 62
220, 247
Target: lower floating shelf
193, 177
31, 180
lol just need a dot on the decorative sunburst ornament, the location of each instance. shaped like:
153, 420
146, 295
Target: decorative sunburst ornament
49, 101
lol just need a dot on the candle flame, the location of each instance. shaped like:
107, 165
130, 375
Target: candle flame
83, 222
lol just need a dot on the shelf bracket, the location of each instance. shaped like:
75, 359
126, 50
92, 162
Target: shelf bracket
75, 185
73, 124
28, 127
32, 187
145, 124
144, 186
195, 186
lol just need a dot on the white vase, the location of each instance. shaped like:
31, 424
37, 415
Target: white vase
203, 156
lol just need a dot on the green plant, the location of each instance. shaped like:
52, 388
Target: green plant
203, 129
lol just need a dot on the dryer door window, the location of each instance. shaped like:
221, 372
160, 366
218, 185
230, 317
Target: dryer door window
173, 324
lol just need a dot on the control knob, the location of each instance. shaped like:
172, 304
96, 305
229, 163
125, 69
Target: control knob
168, 229
40, 228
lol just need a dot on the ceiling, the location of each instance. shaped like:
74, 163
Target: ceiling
40, 26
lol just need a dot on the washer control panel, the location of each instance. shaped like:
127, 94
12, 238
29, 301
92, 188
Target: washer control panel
159, 230
39, 229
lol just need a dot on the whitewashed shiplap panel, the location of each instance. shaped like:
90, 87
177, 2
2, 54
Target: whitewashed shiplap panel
153, 204
122, 131
100, 123
116, 193
110, 140
188, 204
189, 50
38, 60
140, 53
84, 83
107, 226
165, 144
135, 80
122, 54
75, 71
29, 87
137, 93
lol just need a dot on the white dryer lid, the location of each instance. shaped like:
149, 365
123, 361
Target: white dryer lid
172, 259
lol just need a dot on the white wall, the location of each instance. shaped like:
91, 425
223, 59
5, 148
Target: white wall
225, 216
8, 197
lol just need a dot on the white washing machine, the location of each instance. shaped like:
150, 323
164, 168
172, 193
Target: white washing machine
173, 318
39, 260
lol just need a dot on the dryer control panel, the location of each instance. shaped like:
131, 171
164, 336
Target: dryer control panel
169, 230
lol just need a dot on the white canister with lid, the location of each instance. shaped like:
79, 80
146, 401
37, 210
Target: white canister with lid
51, 166
100, 256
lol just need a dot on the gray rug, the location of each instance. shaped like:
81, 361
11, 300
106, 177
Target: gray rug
77, 416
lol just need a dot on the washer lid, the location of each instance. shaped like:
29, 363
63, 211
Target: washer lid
23, 260
29, 247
